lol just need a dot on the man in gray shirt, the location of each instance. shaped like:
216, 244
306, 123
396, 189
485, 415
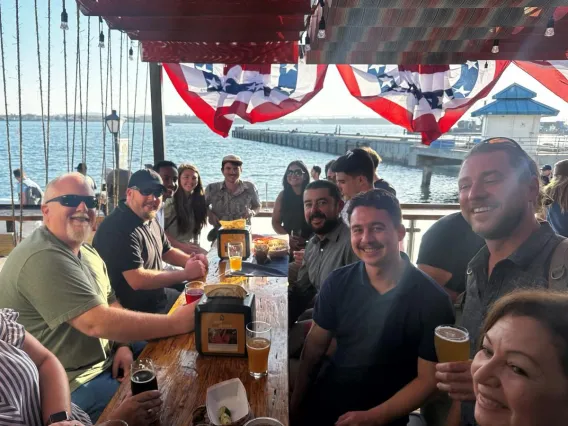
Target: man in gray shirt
329, 249
498, 193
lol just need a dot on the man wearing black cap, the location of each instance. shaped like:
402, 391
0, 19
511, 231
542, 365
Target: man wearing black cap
545, 172
82, 168
133, 245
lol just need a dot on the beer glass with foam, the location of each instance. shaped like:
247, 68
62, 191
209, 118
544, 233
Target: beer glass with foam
143, 376
452, 343
258, 348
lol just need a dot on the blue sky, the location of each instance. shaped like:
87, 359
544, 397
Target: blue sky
333, 100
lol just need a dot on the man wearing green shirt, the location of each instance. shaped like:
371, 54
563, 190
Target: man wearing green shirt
62, 291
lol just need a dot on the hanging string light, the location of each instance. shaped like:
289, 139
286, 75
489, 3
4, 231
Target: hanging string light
64, 18
131, 51
321, 28
307, 42
101, 34
486, 64
322, 3
550, 28
495, 48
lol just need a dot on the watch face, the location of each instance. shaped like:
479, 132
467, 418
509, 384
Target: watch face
58, 417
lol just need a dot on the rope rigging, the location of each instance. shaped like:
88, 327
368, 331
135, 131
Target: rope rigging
41, 89
65, 27
76, 87
19, 68
144, 123
134, 113
6, 113
104, 102
48, 91
84, 152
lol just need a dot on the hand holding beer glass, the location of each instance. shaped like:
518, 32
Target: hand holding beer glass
258, 348
452, 343
143, 376
235, 251
453, 370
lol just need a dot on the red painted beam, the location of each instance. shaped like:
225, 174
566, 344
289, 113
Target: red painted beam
190, 35
193, 7
225, 53
413, 58
208, 24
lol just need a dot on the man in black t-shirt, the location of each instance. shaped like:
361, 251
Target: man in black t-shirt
378, 182
446, 249
382, 311
133, 244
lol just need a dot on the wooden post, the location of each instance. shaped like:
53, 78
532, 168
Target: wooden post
426, 175
158, 125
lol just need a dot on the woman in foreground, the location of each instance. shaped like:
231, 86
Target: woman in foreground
520, 374
38, 381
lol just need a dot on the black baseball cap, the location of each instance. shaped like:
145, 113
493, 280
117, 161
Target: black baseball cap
146, 179
546, 167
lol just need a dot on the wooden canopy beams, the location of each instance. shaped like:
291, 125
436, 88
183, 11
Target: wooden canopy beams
357, 31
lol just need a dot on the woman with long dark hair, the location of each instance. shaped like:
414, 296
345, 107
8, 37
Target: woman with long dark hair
288, 214
186, 213
557, 194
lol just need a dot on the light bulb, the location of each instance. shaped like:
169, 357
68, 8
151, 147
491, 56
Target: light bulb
64, 20
495, 48
321, 33
321, 30
101, 40
307, 47
550, 28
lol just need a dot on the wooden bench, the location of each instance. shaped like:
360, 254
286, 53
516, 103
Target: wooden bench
7, 243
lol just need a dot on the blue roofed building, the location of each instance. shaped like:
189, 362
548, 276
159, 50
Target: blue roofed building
515, 114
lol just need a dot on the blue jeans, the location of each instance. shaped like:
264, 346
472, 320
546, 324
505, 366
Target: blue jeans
94, 396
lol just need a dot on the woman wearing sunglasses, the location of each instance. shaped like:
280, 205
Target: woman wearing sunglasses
288, 215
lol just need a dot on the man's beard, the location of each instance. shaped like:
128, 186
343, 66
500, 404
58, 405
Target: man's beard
504, 227
328, 226
78, 235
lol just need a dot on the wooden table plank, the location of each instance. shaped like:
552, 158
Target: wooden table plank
184, 375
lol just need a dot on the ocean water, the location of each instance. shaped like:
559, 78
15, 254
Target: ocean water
264, 164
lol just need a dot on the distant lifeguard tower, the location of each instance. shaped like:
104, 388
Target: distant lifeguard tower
515, 114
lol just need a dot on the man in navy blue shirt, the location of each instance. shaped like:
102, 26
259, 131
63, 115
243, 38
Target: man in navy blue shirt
382, 312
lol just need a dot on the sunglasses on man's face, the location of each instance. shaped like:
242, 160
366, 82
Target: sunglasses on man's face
157, 192
75, 201
297, 172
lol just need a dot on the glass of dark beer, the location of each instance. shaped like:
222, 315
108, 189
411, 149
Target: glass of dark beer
143, 376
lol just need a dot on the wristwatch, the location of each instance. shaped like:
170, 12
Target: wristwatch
58, 417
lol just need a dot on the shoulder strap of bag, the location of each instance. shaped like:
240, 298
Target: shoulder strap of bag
558, 272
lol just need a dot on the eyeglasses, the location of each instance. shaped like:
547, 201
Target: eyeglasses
297, 172
157, 192
75, 201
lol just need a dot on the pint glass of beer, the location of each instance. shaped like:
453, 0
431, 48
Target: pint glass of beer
235, 256
452, 343
258, 347
143, 376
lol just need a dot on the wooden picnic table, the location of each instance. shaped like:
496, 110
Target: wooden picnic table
184, 375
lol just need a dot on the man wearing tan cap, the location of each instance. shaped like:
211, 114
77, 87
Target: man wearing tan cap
232, 198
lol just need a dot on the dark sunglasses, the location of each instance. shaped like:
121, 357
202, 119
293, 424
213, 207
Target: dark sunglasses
76, 200
297, 172
157, 192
